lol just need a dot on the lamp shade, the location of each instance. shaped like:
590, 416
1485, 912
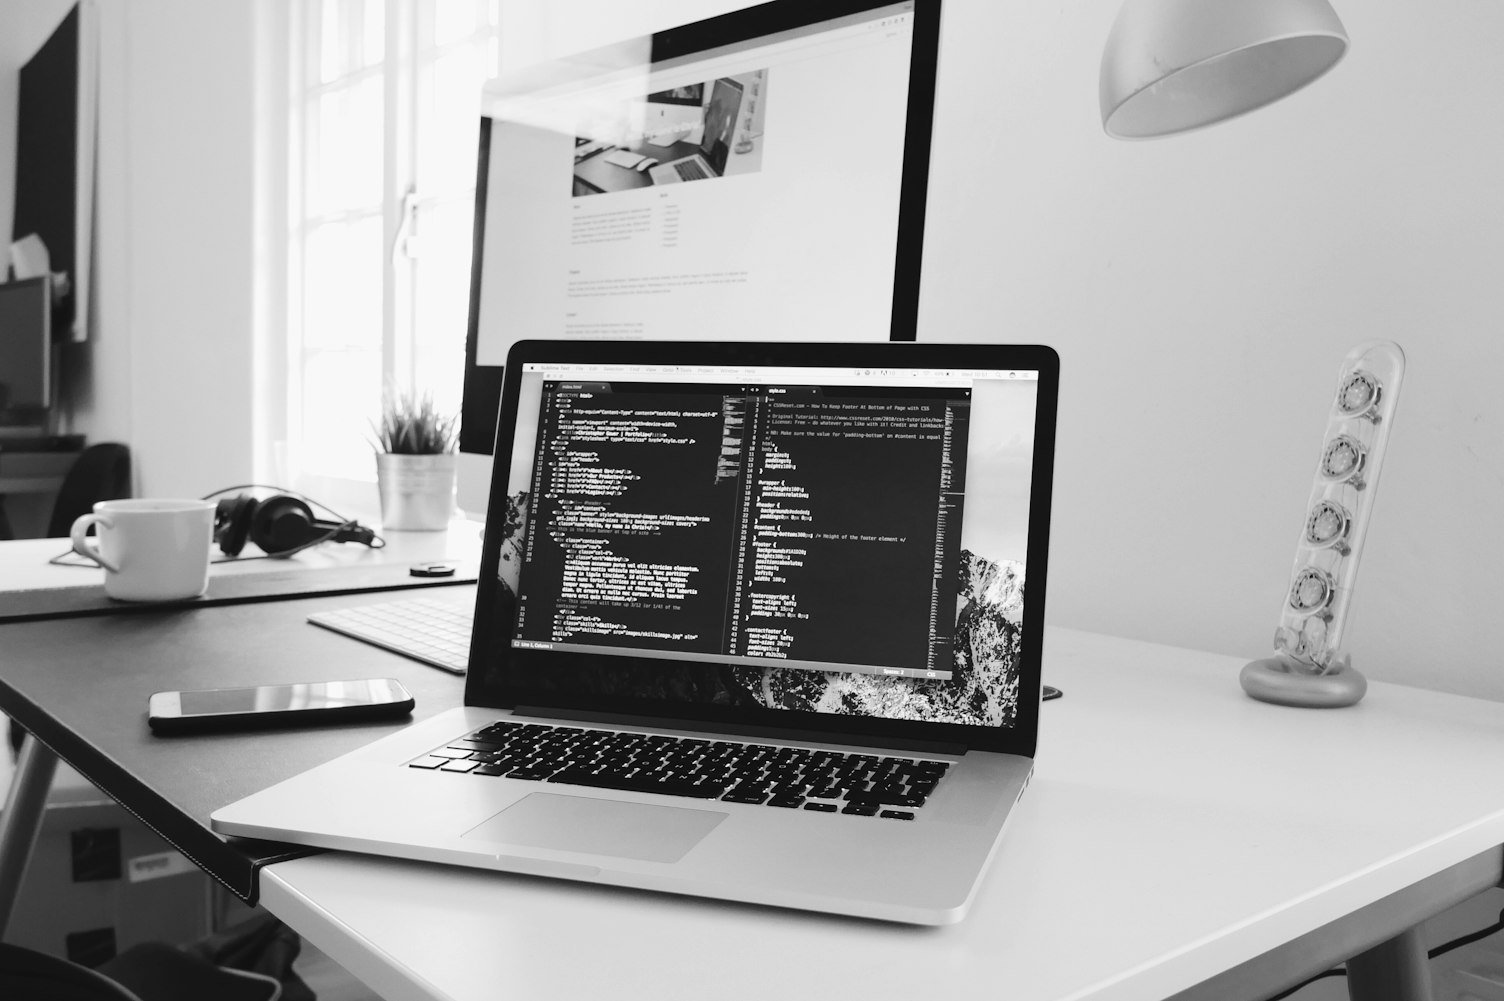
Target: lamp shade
1175, 65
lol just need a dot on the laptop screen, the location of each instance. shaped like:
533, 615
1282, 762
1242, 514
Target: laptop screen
808, 536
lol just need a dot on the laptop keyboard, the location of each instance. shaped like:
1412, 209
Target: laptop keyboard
689, 170
433, 630
790, 777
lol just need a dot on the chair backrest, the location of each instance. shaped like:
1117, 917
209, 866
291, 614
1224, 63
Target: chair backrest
27, 975
102, 472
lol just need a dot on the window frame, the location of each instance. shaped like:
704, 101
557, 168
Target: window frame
406, 66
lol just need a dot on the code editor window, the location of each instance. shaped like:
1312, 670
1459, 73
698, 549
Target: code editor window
804, 526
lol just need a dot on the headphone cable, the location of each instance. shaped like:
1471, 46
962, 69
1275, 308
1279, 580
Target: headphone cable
377, 542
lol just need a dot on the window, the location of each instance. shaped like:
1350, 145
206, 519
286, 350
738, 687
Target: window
383, 129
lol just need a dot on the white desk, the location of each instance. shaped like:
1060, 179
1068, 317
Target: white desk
1175, 830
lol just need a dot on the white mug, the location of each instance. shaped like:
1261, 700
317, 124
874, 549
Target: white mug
151, 550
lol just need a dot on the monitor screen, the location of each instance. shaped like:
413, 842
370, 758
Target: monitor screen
25, 348
757, 175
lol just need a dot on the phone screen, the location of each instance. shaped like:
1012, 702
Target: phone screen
288, 698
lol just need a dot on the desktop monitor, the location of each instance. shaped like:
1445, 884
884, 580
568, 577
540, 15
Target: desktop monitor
25, 350
805, 219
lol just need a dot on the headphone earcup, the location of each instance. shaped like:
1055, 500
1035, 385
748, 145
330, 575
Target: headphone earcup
232, 523
281, 524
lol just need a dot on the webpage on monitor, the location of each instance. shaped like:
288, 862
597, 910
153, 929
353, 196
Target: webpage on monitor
791, 231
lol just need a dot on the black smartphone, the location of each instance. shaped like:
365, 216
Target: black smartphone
309, 704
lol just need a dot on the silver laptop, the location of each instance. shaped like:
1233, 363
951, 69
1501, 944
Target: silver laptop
755, 621
721, 114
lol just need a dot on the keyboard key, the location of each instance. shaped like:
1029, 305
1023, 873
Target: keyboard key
429, 762
897, 814
488, 769
821, 807
531, 773
473, 744
752, 796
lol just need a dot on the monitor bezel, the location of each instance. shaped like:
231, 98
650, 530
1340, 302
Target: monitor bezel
490, 635
483, 383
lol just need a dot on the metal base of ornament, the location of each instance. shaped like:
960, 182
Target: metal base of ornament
1274, 680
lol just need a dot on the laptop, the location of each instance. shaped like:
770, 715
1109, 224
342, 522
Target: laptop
715, 144
759, 622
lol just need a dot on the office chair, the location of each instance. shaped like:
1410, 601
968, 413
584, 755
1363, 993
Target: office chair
102, 472
152, 971
27, 975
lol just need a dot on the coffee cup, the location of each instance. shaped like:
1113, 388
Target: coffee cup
150, 549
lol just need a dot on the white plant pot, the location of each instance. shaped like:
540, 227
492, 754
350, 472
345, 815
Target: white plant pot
417, 491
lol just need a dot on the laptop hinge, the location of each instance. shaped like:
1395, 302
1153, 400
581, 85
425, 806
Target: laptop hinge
743, 730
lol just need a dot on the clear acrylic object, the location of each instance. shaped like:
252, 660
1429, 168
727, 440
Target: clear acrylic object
1308, 639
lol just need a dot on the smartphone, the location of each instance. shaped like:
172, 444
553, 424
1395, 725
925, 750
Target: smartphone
309, 704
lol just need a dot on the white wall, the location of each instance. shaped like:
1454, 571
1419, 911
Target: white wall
1202, 292
189, 192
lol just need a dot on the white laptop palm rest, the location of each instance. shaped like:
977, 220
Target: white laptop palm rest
755, 621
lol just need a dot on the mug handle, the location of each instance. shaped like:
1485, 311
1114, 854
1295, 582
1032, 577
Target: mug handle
80, 544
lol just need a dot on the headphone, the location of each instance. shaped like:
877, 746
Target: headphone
280, 525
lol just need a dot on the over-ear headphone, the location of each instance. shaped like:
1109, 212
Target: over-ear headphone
281, 525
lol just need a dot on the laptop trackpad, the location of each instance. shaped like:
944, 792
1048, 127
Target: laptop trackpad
599, 827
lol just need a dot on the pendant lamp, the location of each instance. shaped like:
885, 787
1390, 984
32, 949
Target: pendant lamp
1175, 65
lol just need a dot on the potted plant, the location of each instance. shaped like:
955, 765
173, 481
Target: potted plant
415, 463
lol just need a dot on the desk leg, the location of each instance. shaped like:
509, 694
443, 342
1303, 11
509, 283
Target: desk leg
1396, 970
22, 820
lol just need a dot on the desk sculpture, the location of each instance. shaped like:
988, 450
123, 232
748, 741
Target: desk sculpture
1309, 667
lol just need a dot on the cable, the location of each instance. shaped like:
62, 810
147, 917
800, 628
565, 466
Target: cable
1440, 950
281, 490
1468, 939
1334, 972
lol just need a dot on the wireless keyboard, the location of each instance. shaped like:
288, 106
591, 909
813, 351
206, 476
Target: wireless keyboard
434, 630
